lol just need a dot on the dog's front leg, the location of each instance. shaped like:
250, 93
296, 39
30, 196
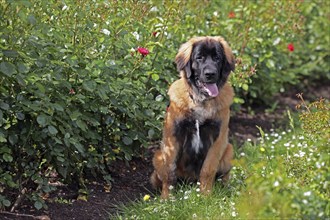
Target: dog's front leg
213, 157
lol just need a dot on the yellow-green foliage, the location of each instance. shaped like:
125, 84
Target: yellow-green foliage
315, 118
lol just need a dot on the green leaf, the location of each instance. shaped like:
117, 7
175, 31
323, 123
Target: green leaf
155, 76
151, 133
74, 115
79, 147
38, 205
82, 125
7, 157
22, 68
10, 53
127, 140
52, 130
13, 139
4, 106
41, 87
20, 80
89, 85
42, 120
7, 68
6, 202
2, 138
20, 116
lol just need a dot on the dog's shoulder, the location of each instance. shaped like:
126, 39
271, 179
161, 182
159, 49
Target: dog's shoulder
179, 93
226, 96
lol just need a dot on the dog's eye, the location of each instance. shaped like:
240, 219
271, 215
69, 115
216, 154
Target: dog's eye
217, 58
199, 57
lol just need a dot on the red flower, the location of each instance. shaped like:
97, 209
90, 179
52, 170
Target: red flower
290, 47
143, 51
72, 92
231, 14
155, 33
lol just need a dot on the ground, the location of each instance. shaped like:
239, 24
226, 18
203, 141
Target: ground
131, 179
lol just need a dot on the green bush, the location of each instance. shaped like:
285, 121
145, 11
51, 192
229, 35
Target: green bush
75, 93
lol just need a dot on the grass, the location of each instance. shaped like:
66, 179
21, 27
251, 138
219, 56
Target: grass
283, 175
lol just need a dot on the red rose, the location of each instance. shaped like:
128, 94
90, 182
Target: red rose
231, 14
143, 51
290, 47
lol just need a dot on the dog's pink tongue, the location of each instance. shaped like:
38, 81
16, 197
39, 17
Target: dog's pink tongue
212, 89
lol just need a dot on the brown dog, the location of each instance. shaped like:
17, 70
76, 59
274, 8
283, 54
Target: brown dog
195, 136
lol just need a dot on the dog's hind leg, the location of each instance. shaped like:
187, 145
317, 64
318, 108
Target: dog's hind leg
225, 164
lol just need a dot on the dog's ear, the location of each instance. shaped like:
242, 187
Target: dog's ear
229, 62
182, 59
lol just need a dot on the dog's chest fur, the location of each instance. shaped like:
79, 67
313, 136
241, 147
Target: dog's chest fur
195, 135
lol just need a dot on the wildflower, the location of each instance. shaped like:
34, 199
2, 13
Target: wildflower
105, 31
308, 193
146, 197
233, 214
136, 35
170, 187
290, 47
143, 51
262, 149
72, 92
231, 14
194, 215
155, 33
276, 183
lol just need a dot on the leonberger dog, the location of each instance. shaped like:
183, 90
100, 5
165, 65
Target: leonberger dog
195, 135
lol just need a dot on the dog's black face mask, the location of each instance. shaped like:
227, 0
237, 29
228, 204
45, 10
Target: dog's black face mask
207, 69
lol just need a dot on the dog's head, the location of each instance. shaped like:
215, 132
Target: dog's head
205, 62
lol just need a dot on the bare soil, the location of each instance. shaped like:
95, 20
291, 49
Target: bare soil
131, 179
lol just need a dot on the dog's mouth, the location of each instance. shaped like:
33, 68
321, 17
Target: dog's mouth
210, 88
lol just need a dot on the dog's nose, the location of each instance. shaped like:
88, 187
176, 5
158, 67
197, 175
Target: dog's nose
209, 74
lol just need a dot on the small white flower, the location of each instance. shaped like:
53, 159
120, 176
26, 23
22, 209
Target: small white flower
136, 35
276, 183
105, 31
185, 197
242, 154
301, 138
154, 9
198, 190
286, 144
276, 41
65, 7
308, 193
305, 201
194, 215
170, 187
233, 214
249, 139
